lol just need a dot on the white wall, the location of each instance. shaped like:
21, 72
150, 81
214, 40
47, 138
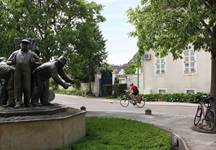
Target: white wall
175, 81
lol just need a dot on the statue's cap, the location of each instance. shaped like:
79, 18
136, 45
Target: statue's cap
25, 41
3, 59
62, 60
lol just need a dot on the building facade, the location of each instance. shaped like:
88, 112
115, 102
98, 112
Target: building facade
191, 74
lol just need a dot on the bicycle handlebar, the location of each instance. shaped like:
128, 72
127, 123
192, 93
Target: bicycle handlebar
205, 99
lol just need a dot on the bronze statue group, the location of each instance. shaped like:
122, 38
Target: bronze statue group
26, 78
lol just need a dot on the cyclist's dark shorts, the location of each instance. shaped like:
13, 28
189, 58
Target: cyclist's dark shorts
135, 93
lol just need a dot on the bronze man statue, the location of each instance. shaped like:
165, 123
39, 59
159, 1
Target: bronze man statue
23, 60
43, 73
7, 74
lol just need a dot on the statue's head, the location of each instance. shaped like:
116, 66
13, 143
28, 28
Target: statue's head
62, 61
25, 44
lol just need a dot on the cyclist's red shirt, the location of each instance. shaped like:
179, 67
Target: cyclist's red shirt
133, 88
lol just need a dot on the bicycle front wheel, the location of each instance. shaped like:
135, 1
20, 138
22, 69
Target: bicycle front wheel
141, 103
210, 119
198, 116
124, 102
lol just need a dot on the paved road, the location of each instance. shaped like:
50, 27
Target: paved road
174, 117
101, 104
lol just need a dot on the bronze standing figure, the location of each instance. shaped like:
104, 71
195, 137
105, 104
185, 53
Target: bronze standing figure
23, 59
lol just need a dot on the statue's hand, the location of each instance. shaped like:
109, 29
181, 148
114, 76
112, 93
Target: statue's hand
12, 62
72, 81
66, 86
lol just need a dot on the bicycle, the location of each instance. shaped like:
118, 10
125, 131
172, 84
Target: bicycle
205, 113
139, 101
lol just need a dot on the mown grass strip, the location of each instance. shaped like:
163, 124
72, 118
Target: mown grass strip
122, 134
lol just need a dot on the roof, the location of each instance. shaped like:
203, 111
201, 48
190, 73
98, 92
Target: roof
118, 68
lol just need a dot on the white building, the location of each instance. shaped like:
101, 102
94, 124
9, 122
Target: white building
165, 75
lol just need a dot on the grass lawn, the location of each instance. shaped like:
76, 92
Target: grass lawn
122, 134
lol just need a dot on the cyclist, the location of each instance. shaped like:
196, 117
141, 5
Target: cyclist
133, 91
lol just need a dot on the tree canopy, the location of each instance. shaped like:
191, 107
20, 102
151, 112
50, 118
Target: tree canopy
90, 47
63, 27
131, 69
54, 22
171, 26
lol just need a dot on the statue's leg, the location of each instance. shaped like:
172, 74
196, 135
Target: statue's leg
27, 88
3, 94
10, 89
45, 95
37, 91
18, 89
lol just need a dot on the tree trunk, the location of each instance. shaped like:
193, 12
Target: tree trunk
213, 79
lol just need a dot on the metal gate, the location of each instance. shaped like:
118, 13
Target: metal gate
106, 79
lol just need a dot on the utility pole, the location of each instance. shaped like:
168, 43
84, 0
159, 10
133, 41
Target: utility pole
138, 67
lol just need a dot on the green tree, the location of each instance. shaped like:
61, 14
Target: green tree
131, 69
64, 27
54, 22
90, 46
170, 26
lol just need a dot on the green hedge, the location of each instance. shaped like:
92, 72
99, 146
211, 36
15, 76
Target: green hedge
70, 92
176, 97
119, 89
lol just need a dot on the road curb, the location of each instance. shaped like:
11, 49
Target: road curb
178, 143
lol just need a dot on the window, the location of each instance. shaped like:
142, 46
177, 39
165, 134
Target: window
122, 80
160, 66
189, 62
162, 91
190, 91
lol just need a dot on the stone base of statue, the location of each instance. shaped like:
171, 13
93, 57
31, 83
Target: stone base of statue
41, 128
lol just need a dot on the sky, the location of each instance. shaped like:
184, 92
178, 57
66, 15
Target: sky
115, 29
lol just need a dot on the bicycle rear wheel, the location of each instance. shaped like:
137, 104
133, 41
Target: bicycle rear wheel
198, 116
124, 102
141, 103
210, 119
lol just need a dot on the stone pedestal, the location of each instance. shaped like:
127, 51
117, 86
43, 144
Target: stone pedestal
41, 128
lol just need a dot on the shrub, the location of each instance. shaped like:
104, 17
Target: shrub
70, 92
176, 97
53, 85
119, 89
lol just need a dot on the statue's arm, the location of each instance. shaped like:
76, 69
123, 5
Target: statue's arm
64, 76
54, 74
36, 60
12, 59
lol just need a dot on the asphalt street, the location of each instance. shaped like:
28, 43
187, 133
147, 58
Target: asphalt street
171, 116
